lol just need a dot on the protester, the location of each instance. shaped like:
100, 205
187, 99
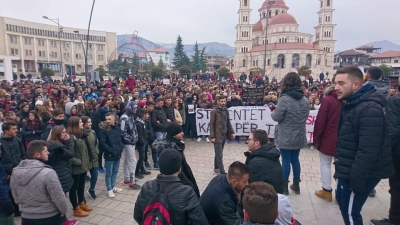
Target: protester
150, 138
98, 117
33, 128
142, 131
291, 114
362, 157
6, 204
204, 104
42, 201
58, 119
182, 200
234, 102
159, 119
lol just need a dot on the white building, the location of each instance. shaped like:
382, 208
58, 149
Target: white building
287, 48
158, 54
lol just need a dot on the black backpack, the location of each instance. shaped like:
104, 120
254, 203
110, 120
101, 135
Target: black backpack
158, 211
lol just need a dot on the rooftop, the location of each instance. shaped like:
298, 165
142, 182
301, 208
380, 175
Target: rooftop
160, 49
387, 54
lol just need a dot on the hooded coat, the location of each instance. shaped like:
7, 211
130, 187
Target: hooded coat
327, 123
37, 190
12, 152
60, 160
68, 114
291, 113
381, 86
110, 140
363, 149
128, 127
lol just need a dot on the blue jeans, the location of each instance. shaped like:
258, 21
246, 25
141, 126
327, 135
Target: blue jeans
290, 157
111, 173
160, 135
94, 172
350, 204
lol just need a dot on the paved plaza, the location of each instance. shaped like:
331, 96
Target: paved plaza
307, 208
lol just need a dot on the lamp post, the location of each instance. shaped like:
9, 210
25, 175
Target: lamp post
84, 52
270, 3
60, 28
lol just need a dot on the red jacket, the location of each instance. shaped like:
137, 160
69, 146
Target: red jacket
327, 123
130, 83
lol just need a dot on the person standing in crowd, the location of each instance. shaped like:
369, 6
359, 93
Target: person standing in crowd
112, 146
374, 77
159, 118
204, 104
6, 204
291, 114
169, 109
12, 153
58, 119
92, 144
43, 200
220, 130
142, 130
178, 117
234, 102
260, 202
150, 139
363, 150
184, 204
325, 137
190, 114
173, 140
130, 83
33, 128
80, 166
263, 161
129, 139
98, 117
393, 118
220, 198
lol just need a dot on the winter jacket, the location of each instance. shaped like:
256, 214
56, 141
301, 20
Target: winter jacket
60, 155
169, 112
219, 202
12, 153
28, 128
50, 125
68, 113
393, 117
92, 143
216, 124
110, 139
234, 103
150, 127
37, 190
204, 105
80, 161
181, 110
291, 113
178, 117
265, 166
158, 114
98, 117
183, 202
186, 174
142, 132
130, 83
327, 123
382, 86
6, 206
363, 149
128, 130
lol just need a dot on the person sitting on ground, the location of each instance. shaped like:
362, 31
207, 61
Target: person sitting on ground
184, 205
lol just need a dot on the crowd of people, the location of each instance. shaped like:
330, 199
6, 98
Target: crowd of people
56, 135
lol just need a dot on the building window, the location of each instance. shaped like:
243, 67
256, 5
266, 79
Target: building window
100, 47
243, 50
268, 62
396, 61
40, 42
245, 33
14, 51
41, 54
28, 41
263, 14
100, 57
327, 49
244, 18
78, 56
308, 60
13, 39
28, 52
78, 45
245, 3
322, 4
281, 61
53, 43
328, 18
53, 54
283, 11
66, 45
328, 2
244, 63
296, 61
300, 39
276, 12
327, 33
66, 56
282, 40
269, 13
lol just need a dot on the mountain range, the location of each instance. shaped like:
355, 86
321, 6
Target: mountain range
385, 45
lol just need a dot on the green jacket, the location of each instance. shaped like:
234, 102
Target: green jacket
80, 162
93, 147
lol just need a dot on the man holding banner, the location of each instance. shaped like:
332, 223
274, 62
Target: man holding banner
220, 130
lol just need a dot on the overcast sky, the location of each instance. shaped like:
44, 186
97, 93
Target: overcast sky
161, 21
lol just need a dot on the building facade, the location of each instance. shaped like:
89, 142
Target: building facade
215, 61
33, 46
158, 54
287, 48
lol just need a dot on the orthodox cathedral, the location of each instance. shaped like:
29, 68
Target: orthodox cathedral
287, 48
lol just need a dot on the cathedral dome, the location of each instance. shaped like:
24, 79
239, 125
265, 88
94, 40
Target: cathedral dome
257, 27
284, 18
278, 4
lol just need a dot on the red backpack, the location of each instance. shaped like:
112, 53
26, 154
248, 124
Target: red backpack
158, 211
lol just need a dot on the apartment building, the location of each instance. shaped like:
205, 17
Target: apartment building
215, 61
33, 46
158, 54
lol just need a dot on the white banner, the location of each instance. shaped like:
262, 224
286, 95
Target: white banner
246, 119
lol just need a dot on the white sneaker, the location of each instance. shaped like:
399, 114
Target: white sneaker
199, 139
117, 190
110, 194
312, 147
208, 140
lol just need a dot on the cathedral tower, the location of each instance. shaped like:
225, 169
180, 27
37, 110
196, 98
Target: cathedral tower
243, 43
324, 32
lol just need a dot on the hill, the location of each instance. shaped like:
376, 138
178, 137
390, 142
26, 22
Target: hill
385, 45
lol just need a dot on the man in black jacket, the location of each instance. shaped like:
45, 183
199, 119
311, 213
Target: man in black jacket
58, 119
393, 117
150, 139
12, 152
98, 117
263, 161
220, 199
169, 109
159, 118
234, 102
363, 150
183, 202
142, 141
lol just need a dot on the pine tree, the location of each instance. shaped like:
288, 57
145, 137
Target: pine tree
203, 60
179, 55
195, 65
161, 63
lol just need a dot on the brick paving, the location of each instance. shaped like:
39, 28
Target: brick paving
307, 208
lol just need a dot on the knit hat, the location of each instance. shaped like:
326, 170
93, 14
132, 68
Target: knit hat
39, 102
173, 129
170, 161
102, 101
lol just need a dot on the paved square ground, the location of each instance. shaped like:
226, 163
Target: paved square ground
307, 208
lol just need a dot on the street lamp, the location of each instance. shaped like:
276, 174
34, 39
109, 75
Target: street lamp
60, 29
84, 52
270, 3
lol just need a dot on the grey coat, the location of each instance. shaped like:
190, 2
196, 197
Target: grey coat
37, 190
291, 113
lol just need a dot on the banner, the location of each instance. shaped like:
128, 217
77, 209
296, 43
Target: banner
246, 119
252, 94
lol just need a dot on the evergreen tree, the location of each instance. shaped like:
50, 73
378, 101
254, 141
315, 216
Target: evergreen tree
195, 65
203, 60
179, 55
161, 63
